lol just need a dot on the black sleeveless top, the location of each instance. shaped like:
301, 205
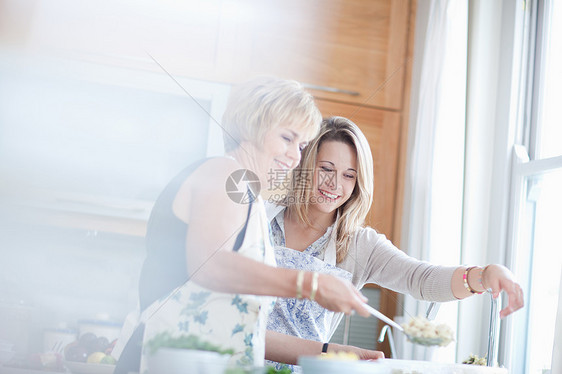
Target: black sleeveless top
165, 266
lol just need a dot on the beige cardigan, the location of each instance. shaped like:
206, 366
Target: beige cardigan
372, 258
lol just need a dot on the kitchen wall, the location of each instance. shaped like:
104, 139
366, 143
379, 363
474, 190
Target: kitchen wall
85, 150
53, 277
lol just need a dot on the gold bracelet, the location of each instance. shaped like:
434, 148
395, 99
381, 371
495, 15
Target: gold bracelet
465, 280
314, 286
300, 280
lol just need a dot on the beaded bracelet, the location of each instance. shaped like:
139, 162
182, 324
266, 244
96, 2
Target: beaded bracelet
465, 280
300, 280
314, 286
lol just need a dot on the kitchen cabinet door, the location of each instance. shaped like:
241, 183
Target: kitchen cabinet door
354, 49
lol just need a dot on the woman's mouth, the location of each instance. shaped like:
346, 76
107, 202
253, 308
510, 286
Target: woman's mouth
330, 196
282, 165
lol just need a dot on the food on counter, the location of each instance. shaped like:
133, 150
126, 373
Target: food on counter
95, 358
75, 352
340, 356
475, 360
166, 340
91, 349
256, 370
422, 328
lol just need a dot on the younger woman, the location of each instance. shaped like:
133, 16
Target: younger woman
321, 229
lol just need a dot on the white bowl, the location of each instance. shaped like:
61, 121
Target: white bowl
182, 361
316, 365
86, 368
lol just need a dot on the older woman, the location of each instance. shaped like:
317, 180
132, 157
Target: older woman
209, 271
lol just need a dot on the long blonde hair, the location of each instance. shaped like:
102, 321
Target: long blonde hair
351, 215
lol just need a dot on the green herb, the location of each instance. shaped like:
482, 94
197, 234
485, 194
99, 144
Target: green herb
272, 370
165, 340
475, 360
256, 370
236, 371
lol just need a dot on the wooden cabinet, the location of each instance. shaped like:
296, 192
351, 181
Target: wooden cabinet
345, 50
352, 46
355, 49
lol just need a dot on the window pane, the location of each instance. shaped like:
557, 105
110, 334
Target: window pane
543, 211
550, 110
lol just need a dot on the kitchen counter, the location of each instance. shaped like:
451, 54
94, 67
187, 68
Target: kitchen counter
16, 370
410, 366
313, 365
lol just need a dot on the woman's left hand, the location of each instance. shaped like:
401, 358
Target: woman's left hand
363, 354
498, 278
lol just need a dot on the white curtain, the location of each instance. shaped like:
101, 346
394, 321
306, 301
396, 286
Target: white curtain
434, 181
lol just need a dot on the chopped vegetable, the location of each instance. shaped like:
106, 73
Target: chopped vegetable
421, 327
475, 360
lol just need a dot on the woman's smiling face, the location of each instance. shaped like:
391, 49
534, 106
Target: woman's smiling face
335, 176
282, 148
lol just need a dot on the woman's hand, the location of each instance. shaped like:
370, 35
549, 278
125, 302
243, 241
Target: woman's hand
498, 278
364, 354
340, 295
287, 348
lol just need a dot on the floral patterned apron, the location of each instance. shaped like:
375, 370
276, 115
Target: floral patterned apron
302, 318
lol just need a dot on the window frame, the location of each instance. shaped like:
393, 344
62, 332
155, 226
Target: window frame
525, 163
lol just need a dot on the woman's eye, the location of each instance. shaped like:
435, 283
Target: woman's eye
326, 169
349, 176
288, 139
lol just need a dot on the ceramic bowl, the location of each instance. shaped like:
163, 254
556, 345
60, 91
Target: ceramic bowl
181, 361
316, 365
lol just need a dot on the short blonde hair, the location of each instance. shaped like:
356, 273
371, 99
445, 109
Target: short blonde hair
263, 103
353, 212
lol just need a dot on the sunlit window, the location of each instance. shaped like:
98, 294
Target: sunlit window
549, 126
537, 252
540, 240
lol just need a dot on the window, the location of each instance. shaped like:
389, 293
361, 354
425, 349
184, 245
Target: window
534, 243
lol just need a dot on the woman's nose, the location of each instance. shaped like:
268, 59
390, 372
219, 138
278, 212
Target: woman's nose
329, 179
294, 153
